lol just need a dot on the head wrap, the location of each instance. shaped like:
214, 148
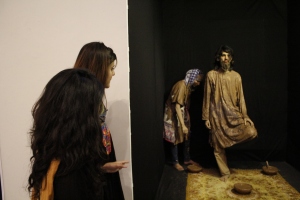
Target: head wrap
191, 76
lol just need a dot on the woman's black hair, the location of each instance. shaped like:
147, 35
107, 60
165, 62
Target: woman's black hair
66, 127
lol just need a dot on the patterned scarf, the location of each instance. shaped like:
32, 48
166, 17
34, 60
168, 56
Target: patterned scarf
191, 76
106, 136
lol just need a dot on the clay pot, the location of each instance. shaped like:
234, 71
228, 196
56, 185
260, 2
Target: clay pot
243, 188
194, 168
270, 170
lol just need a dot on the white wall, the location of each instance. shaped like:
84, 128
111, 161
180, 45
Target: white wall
37, 40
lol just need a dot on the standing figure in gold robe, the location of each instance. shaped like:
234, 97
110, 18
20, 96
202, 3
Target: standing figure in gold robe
224, 108
177, 118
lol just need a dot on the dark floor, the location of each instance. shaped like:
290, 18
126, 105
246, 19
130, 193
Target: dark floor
173, 183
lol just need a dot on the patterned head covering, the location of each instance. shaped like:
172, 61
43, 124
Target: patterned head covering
191, 76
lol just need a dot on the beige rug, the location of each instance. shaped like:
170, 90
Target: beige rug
207, 186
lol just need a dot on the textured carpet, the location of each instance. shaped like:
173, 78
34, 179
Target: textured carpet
207, 186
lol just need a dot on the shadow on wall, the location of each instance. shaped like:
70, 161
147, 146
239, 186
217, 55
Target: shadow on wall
117, 120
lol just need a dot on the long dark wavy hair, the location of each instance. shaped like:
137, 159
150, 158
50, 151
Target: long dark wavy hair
227, 49
66, 126
96, 57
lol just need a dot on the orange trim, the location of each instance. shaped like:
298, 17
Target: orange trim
46, 192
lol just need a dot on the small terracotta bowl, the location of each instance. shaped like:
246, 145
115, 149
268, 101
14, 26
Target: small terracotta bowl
243, 188
270, 170
194, 168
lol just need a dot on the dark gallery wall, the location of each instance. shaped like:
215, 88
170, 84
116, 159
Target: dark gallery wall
146, 96
293, 142
257, 32
168, 37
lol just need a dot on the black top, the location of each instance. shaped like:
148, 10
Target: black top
113, 189
73, 187
69, 187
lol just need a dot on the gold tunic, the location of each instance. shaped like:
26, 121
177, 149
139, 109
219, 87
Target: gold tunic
172, 128
224, 106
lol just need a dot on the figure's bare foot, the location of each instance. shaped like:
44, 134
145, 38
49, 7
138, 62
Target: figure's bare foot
224, 178
191, 162
178, 167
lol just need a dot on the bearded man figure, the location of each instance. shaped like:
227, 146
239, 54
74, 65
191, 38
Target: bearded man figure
224, 108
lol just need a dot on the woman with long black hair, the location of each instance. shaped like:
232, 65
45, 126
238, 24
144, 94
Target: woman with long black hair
102, 61
69, 158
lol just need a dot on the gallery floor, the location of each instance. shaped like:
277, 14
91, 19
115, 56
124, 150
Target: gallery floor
173, 183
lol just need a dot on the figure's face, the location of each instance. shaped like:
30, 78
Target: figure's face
225, 60
110, 74
198, 80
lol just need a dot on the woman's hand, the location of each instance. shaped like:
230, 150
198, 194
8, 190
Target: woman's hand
112, 167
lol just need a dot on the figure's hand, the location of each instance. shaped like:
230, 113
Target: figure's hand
185, 130
207, 124
248, 120
112, 167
